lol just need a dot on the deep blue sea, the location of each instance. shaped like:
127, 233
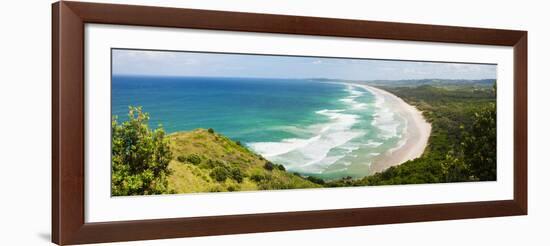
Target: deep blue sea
316, 128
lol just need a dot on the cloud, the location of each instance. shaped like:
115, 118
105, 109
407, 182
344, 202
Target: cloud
145, 62
144, 54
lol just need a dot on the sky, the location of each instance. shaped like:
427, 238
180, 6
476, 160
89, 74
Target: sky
173, 63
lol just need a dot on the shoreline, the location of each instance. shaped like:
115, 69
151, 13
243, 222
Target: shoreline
416, 135
414, 138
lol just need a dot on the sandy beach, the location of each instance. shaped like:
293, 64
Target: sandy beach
415, 136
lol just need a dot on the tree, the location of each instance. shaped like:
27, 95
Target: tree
140, 156
453, 168
480, 145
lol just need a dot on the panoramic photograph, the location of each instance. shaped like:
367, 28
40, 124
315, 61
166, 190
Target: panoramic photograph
198, 122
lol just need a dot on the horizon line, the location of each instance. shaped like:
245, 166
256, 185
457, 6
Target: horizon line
308, 78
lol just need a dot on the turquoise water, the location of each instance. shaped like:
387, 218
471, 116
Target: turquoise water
329, 130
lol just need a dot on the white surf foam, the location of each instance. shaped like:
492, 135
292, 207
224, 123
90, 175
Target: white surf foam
373, 144
312, 154
354, 93
270, 149
384, 118
311, 150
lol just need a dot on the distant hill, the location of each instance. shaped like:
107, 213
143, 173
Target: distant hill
433, 82
419, 82
205, 161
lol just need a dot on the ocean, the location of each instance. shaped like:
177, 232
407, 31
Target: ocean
326, 129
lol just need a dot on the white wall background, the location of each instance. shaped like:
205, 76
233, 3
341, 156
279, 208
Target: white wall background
25, 138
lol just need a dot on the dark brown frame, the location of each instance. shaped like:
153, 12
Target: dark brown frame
68, 225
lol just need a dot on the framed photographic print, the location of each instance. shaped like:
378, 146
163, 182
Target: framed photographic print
175, 122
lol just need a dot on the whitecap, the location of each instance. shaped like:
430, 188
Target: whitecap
350, 100
373, 144
346, 163
384, 119
312, 154
270, 149
316, 147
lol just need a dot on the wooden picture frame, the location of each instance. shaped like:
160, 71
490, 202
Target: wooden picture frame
68, 105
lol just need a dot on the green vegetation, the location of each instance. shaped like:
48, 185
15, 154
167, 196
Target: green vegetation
270, 166
192, 158
479, 146
316, 180
210, 162
140, 157
447, 83
462, 145
461, 148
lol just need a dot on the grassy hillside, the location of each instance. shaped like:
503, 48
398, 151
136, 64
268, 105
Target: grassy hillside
205, 161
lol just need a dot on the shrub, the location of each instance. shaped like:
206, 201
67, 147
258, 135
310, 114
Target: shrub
219, 174
232, 188
194, 159
316, 180
268, 165
210, 130
237, 175
239, 143
140, 156
257, 177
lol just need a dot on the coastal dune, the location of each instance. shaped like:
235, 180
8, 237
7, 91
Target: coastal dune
415, 136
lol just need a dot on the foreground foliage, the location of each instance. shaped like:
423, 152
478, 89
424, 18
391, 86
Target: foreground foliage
140, 156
